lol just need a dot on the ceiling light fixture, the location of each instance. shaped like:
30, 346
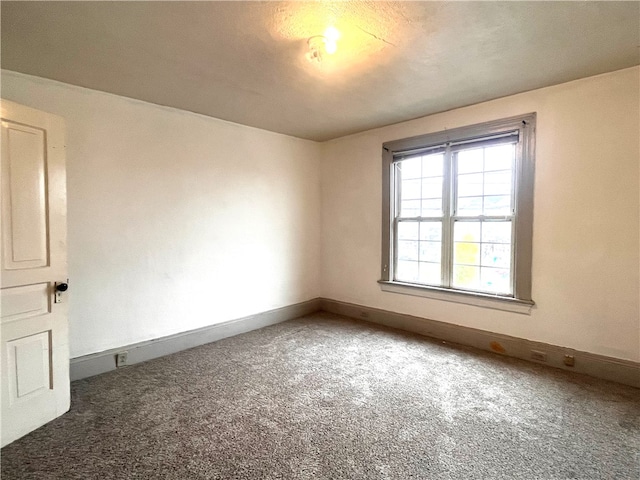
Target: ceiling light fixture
321, 45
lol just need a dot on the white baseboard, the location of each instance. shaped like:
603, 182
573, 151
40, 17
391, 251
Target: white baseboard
600, 366
96, 363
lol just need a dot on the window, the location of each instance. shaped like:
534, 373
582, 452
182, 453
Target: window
458, 212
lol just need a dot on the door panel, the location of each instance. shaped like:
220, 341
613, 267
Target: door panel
24, 192
23, 302
34, 342
29, 366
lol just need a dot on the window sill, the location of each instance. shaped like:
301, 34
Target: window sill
508, 304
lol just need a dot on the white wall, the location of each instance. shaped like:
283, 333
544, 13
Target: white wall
176, 220
585, 246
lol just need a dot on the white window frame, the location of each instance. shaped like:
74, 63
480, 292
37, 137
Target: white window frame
522, 127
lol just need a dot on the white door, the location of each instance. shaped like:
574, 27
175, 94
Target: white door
33, 329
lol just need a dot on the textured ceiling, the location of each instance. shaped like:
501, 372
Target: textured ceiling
245, 61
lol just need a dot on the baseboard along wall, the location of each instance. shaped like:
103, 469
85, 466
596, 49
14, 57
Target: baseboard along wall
102, 362
600, 366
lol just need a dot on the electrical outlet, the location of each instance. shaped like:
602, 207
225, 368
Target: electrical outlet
538, 356
121, 359
569, 360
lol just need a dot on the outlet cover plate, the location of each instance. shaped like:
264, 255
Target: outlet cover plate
121, 359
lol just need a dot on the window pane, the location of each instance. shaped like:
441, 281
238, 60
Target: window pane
407, 271
408, 230
493, 257
410, 189
499, 157
410, 168
467, 253
466, 277
481, 188
432, 208
496, 232
497, 205
430, 252
470, 185
431, 231
496, 255
432, 187
496, 280
466, 232
497, 183
407, 250
470, 206
432, 165
470, 160
410, 208
430, 273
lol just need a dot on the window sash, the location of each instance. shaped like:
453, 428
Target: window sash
448, 220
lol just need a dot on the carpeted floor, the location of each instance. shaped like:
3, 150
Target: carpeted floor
326, 397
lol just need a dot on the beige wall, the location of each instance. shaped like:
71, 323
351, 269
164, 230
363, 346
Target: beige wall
585, 245
176, 220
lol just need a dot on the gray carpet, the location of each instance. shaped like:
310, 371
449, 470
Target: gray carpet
327, 397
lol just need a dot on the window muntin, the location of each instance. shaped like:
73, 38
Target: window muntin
456, 208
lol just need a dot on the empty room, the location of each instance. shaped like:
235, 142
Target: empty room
317, 239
